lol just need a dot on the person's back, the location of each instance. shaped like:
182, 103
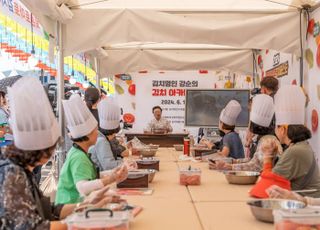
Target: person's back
295, 163
233, 142
102, 155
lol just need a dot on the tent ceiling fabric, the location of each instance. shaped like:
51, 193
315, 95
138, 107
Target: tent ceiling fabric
133, 60
277, 31
190, 5
45, 12
245, 24
168, 46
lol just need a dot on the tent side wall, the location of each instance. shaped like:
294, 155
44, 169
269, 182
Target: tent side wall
312, 85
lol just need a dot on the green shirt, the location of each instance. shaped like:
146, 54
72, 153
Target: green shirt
294, 165
77, 167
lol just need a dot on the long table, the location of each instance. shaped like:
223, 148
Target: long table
213, 205
164, 140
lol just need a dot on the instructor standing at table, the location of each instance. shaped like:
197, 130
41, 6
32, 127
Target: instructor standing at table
158, 123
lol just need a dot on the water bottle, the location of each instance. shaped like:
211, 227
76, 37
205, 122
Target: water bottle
186, 146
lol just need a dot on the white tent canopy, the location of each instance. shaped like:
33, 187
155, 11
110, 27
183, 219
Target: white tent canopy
161, 57
49, 6
107, 27
245, 24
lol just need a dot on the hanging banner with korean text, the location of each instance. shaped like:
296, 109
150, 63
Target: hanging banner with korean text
138, 93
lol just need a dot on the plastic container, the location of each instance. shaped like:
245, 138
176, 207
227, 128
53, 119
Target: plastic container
99, 219
148, 163
190, 176
136, 179
302, 219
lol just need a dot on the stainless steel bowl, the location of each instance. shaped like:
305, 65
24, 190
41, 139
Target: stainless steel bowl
262, 209
159, 131
242, 177
148, 152
178, 147
141, 172
151, 146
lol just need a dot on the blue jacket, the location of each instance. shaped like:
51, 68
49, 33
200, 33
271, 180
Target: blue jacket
102, 155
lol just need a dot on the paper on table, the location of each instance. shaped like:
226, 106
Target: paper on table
187, 158
134, 191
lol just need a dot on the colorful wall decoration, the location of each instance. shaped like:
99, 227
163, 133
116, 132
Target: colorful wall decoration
285, 67
312, 80
23, 39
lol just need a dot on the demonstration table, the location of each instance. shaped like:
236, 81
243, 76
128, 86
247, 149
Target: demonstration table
214, 204
164, 140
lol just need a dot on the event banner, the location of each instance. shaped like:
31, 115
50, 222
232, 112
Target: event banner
19, 13
138, 93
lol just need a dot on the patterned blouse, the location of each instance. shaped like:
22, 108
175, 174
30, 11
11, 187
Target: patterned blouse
22, 205
255, 164
159, 124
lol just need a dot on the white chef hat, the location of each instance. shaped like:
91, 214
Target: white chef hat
32, 121
80, 120
290, 105
230, 113
262, 110
109, 114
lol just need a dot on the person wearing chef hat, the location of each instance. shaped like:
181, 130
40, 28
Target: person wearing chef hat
92, 98
296, 168
261, 116
231, 145
36, 134
101, 153
79, 176
269, 86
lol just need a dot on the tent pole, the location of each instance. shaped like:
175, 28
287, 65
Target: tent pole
254, 69
97, 65
302, 32
61, 154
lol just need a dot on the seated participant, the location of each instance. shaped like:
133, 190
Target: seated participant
231, 145
297, 164
101, 152
79, 176
158, 123
261, 117
269, 86
23, 205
